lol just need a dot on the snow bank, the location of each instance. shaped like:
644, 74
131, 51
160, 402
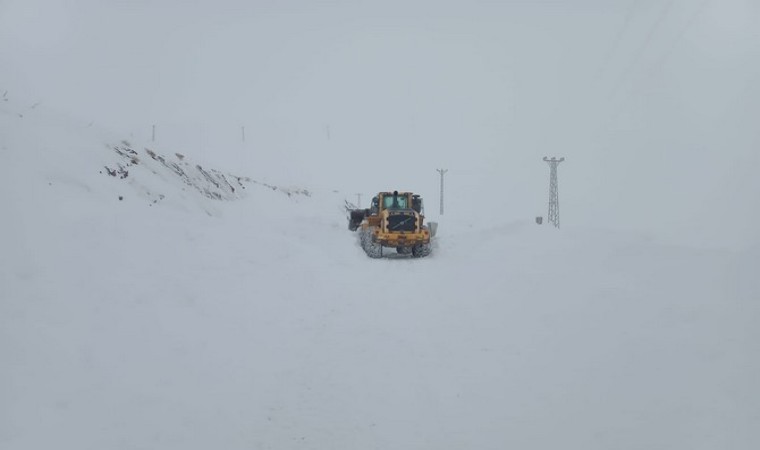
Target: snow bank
255, 320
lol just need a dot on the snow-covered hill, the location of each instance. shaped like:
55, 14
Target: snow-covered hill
147, 301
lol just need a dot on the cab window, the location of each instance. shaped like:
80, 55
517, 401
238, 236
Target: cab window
400, 202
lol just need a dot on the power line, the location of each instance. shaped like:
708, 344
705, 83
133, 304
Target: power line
618, 39
642, 49
690, 21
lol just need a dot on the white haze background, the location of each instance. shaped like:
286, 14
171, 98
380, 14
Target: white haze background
653, 103
260, 323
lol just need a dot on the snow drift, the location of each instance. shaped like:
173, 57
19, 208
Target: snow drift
147, 301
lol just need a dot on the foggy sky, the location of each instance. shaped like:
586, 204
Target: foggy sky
655, 104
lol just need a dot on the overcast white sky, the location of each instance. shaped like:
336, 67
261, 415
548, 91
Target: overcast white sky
655, 104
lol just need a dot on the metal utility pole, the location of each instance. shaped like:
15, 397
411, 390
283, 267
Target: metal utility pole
442, 172
153, 136
358, 200
242, 130
553, 190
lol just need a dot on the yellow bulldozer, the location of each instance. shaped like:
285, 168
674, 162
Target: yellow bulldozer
394, 220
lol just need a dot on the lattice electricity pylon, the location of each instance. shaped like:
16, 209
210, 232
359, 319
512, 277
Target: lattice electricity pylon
553, 191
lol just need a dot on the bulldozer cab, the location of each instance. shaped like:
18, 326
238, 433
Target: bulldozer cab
395, 202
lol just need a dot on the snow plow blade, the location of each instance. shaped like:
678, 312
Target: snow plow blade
355, 218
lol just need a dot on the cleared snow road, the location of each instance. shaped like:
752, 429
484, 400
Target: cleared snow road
131, 326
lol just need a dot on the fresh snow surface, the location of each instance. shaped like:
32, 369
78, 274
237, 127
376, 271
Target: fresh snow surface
173, 320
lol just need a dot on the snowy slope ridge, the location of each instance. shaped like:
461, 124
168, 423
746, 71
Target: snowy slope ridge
70, 152
265, 326
210, 183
